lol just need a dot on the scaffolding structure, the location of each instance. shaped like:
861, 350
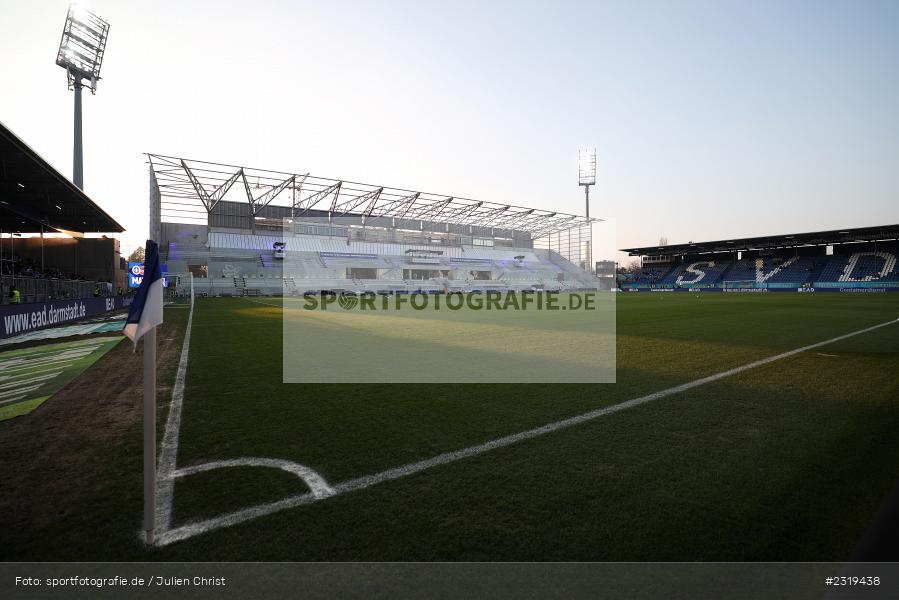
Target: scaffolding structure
573, 244
190, 190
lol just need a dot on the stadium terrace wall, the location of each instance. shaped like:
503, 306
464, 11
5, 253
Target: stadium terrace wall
236, 215
183, 236
328, 256
16, 319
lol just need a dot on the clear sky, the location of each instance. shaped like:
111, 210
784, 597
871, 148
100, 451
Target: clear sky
710, 119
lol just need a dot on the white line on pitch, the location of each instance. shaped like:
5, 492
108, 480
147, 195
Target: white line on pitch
195, 528
318, 485
168, 455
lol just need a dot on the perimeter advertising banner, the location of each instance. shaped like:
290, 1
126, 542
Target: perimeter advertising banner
22, 318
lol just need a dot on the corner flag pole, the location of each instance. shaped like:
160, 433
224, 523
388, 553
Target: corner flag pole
150, 435
144, 316
147, 311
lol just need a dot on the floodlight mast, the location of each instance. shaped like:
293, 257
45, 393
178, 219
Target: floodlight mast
586, 175
81, 54
77, 154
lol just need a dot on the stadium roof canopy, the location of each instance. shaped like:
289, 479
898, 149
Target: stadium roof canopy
815, 238
202, 185
34, 195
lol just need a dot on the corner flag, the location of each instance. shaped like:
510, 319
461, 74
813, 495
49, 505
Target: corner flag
146, 310
143, 318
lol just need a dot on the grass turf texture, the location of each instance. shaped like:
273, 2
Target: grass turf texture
487, 338
789, 461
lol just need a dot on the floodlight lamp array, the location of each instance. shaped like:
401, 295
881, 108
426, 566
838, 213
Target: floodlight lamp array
586, 167
82, 46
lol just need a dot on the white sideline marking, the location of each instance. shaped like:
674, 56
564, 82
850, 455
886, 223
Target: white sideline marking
168, 454
317, 484
197, 527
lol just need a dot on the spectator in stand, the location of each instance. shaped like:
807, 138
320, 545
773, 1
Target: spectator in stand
14, 296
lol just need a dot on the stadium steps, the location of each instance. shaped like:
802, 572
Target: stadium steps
238, 261
727, 270
653, 275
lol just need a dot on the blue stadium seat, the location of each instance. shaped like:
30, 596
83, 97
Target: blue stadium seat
696, 272
880, 265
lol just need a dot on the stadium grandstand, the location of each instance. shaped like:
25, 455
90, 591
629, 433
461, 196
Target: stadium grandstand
247, 232
861, 259
44, 254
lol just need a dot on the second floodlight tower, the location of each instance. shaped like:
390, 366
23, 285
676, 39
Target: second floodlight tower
586, 176
81, 54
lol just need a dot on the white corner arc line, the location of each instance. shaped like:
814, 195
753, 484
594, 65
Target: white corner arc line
168, 454
317, 484
198, 527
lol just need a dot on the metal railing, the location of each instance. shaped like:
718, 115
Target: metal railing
34, 289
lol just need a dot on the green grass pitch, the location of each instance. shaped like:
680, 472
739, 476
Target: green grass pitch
789, 461
515, 338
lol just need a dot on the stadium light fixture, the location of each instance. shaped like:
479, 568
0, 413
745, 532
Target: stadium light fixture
82, 46
586, 167
80, 53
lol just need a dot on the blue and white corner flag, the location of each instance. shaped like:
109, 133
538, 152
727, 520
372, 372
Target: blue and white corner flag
146, 310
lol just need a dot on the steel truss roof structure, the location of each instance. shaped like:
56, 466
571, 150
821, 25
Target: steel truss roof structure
814, 238
205, 184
